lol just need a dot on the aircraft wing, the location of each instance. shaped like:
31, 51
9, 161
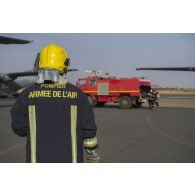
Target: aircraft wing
22, 74
169, 68
70, 70
32, 72
28, 73
9, 40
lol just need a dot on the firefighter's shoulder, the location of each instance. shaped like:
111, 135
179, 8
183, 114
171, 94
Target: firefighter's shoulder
82, 97
25, 91
71, 87
22, 98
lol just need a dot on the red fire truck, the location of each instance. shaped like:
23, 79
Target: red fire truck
128, 92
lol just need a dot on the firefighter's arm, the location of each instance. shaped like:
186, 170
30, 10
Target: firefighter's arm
19, 116
89, 131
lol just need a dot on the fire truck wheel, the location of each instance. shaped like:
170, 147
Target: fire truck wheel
125, 102
91, 102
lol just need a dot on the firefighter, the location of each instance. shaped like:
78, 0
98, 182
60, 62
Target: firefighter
55, 115
153, 98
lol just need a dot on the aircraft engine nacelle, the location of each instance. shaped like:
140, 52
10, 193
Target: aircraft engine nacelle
4, 77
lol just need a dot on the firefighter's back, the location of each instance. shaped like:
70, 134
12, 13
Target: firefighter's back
52, 113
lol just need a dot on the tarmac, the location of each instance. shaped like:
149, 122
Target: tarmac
138, 135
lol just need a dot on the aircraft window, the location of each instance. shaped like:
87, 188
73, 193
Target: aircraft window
82, 82
93, 83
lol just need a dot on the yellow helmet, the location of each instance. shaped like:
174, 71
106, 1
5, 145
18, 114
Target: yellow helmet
53, 56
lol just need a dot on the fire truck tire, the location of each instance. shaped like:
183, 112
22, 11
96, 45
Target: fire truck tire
91, 102
125, 102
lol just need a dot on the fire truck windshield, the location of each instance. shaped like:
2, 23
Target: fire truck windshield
82, 82
93, 83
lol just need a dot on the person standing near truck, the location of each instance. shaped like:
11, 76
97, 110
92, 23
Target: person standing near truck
153, 99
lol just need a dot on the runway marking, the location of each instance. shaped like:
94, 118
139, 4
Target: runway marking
11, 149
148, 119
142, 140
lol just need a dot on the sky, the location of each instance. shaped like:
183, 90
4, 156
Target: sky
116, 54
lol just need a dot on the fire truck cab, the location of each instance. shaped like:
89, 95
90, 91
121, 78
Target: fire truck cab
128, 92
